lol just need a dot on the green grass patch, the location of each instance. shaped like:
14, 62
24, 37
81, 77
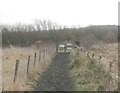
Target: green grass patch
87, 73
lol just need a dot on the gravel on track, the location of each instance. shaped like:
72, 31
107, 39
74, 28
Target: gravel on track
57, 77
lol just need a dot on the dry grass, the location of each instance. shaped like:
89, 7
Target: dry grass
109, 52
90, 75
9, 57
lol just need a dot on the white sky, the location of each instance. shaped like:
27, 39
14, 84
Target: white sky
65, 12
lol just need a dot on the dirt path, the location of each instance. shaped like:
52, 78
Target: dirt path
57, 76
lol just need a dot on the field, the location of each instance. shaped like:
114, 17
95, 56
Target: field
9, 56
81, 77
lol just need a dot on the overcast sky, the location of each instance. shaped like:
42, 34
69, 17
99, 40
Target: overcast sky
65, 12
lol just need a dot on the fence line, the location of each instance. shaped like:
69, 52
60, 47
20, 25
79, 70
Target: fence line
22, 69
91, 54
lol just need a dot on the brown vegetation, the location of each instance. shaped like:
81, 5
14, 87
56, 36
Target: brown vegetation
108, 53
89, 74
9, 56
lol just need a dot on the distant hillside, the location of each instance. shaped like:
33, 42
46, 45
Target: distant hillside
26, 35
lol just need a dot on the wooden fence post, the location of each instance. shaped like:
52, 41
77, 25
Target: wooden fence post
39, 55
28, 64
56, 47
87, 54
81, 49
43, 55
93, 55
16, 69
34, 60
100, 58
110, 66
47, 53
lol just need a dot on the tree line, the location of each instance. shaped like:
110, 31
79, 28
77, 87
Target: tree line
47, 31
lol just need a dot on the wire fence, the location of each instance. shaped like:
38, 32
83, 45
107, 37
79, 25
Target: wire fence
110, 66
21, 70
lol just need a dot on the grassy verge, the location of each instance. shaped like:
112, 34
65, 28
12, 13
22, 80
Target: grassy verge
87, 73
23, 81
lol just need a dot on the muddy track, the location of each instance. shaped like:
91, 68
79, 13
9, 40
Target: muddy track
56, 77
